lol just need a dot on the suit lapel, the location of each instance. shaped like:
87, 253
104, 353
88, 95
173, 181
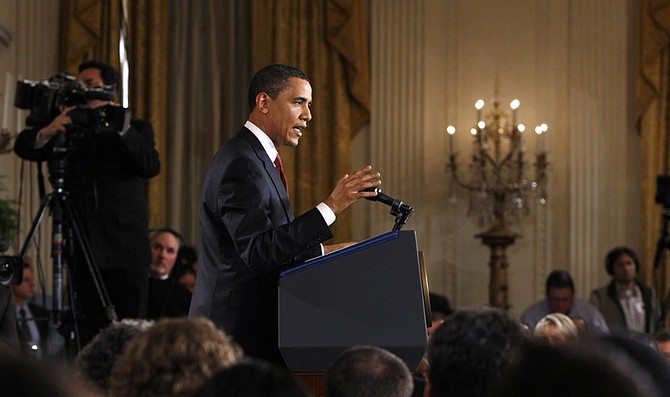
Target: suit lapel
270, 170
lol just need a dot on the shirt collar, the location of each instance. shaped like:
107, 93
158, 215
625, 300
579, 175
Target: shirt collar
623, 293
264, 139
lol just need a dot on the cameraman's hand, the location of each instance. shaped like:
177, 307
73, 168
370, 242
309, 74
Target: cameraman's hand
350, 188
56, 126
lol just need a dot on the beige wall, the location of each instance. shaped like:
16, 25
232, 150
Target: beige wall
32, 54
569, 63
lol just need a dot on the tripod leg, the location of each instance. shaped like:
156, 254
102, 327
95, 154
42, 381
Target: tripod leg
34, 227
88, 258
56, 251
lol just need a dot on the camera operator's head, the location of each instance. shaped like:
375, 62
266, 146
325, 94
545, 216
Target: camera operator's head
96, 74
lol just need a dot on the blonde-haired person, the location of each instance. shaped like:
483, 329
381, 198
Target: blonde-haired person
556, 329
173, 358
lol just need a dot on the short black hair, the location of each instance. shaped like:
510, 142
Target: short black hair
560, 279
272, 79
615, 253
366, 367
470, 349
439, 306
108, 74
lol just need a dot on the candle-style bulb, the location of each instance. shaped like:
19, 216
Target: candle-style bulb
451, 130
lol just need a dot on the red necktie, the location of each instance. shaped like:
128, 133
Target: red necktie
280, 168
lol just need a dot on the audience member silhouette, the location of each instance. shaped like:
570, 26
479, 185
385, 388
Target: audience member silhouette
186, 268
40, 378
173, 358
253, 378
542, 370
440, 308
366, 371
640, 348
95, 360
469, 350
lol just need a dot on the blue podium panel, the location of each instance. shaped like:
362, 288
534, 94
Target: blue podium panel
368, 294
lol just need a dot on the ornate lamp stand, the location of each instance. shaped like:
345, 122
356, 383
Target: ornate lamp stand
498, 184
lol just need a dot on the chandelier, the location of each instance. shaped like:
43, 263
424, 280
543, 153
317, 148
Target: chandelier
498, 181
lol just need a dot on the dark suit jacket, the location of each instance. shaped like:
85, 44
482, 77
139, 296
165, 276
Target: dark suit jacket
105, 176
9, 337
52, 343
248, 234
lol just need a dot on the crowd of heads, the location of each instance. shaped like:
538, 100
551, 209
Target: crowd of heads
471, 352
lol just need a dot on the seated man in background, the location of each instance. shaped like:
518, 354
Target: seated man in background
440, 309
167, 296
38, 336
560, 298
187, 267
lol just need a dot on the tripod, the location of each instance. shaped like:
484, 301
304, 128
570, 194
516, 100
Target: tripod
63, 213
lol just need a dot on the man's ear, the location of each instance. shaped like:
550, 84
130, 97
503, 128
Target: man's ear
263, 102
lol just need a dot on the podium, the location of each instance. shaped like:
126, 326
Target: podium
371, 293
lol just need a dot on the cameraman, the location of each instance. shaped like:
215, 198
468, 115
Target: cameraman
105, 174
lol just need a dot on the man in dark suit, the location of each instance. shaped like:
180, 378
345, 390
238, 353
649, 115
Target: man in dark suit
248, 230
37, 336
105, 174
9, 338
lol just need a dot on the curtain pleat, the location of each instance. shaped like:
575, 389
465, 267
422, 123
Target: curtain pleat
328, 40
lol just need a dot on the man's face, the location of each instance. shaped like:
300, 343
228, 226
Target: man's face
26, 289
289, 113
92, 79
624, 269
560, 300
164, 250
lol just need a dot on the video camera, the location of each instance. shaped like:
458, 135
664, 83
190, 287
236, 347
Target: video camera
46, 99
11, 270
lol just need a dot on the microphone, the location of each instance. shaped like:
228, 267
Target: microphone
395, 204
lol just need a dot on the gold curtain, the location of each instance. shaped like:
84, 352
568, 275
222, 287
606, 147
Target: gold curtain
91, 29
328, 40
653, 88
